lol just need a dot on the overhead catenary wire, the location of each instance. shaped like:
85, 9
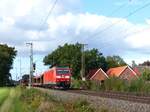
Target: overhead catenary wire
43, 22
112, 13
127, 34
108, 45
130, 33
117, 9
115, 23
45, 19
49, 13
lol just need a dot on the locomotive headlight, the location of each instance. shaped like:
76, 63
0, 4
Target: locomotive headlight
67, 76
58, 76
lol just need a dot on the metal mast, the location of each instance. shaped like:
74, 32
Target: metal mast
31, 63
83, 62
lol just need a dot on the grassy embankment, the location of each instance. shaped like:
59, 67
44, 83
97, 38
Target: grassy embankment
25, 100
4, 93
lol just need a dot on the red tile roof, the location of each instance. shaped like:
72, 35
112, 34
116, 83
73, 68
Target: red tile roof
137, 71
116, 71
91, 73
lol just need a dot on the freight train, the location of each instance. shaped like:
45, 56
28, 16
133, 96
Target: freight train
54, 77
25, 80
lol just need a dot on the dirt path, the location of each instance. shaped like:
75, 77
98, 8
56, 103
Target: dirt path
7, 104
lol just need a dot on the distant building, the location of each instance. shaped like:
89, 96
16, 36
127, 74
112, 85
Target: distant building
124, 72
97, 75
139, 69
25, 79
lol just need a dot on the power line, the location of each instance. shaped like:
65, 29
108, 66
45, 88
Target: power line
130, 14
113, 24
117, 9
46, 18
43, 23
49, 13
127, 35
112, 13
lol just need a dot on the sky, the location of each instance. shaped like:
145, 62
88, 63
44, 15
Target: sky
115, 27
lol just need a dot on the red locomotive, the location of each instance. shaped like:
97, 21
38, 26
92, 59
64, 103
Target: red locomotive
56, 76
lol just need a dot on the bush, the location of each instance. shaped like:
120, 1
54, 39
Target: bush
76, 84
146, 75
139, 86
92, 85
135, 85
115, 84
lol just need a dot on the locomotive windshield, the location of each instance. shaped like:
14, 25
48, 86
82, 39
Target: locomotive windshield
63, 72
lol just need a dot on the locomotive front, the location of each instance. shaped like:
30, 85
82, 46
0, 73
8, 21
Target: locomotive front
63, 77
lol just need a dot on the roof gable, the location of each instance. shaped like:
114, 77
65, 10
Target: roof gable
116, 71
100, 70
138, 70
91, 73
95, 72
119, 70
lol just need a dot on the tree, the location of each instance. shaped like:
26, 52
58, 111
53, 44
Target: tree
115, 61
94, 59
70, 54
7, 55
146, 75
145, 63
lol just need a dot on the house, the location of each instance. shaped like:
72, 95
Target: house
97, 75
124, 72
139, 69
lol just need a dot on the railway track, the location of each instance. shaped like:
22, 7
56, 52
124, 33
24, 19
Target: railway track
138, 98
115, 95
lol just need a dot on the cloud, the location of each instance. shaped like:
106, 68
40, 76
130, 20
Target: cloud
83, 27
21, 20
30, 23
140, 40
66, 25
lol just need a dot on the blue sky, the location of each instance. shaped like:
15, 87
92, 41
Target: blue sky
102, 24
107, 8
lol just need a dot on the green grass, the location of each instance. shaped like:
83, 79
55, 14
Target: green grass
33, 100
25, 100
16, 105
4, 93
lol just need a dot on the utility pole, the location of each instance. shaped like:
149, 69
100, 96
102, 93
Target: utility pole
31, 64
83, 62
16, 73
20, 69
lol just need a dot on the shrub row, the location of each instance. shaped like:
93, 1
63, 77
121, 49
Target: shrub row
114, 84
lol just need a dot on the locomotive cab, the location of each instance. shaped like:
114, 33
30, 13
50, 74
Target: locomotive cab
57, 76
63, 77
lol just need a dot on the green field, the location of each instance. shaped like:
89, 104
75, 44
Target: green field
25, 100
32, 100
4, 93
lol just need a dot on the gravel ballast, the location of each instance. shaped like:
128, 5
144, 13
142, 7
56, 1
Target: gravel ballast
113, 105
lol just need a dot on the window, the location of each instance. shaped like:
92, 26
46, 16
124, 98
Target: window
59, 72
